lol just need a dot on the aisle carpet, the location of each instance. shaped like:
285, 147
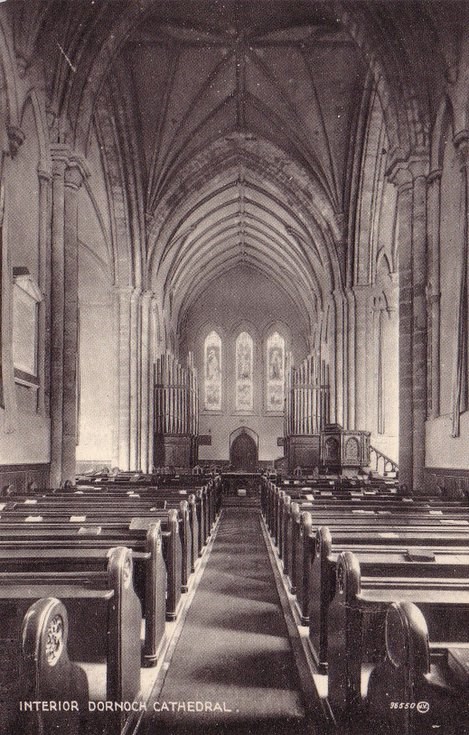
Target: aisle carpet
233, 653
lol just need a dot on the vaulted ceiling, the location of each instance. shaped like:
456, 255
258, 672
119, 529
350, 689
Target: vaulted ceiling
265, 104
238, 125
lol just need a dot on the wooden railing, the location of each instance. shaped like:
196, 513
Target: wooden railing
381, 462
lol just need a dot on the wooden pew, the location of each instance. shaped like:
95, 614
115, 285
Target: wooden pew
91, 510
362, 504
145, 537
200, 518
390, 560
151, 498
356, 633
148, 564
104, 633
421, 686
113, 501
318, 489
411, 529
208, 488
89, 520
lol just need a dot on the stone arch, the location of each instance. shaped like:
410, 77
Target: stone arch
246, 430
45, 164
244, 449
403, 118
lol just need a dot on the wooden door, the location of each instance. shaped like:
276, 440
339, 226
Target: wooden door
243, 454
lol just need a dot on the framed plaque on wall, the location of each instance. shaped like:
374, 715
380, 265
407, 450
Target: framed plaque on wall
26, 298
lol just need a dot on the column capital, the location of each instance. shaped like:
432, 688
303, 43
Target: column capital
43, 173
60, 154
60, 151
76, 172
403, 173
400, 176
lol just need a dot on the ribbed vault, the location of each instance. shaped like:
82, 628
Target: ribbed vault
242, 210
236, 126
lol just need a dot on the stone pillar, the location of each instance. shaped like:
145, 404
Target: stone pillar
410, 179
153, 351
43, 399
434, 222
135, 377
123, 378
339, 374
460, 380
419, 171
67, 176
74, 175
115, 377
402, 178
60, 156
360, 356
329, 330
350, 338
146, 376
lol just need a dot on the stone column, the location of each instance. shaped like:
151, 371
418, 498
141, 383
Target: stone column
402, 178
153, 351
350, 341
68, 172
60, 155
123, 378
460, 380
135, 378
434, 221
360, 356
419, 169
45, 182
410, 179
339, 340
74, 176
329, 329
146, 376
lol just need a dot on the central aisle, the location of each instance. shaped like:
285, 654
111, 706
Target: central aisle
233, 653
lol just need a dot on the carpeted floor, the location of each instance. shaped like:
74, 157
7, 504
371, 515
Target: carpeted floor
233, 656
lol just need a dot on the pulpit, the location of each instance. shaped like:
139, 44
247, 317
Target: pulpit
344, 448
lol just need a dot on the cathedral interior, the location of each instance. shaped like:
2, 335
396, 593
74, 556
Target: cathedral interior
227, 228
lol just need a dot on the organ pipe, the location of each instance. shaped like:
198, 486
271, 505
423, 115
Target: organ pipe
307, 397
176, 396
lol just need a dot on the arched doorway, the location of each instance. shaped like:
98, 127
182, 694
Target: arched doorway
243, 452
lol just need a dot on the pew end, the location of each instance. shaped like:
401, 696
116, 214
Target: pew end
48, 675
415, 689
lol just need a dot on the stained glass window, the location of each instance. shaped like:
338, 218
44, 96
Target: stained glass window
244, 372
275, 372
212, 372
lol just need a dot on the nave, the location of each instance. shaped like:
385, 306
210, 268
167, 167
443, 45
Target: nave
234, 650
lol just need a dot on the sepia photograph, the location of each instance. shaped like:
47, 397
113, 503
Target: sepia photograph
234, 367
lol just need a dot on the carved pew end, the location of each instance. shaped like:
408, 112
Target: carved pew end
47, 672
